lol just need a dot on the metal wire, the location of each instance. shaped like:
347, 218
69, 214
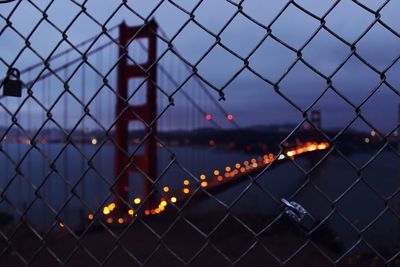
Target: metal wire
84, 246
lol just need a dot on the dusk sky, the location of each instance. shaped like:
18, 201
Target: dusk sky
250, 99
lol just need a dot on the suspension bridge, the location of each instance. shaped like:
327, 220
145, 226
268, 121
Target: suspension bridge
75, 144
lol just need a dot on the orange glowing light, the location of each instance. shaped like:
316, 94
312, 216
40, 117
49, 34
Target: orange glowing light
186, 182
147, 212
120, 220
163, 203
237, 166
157, 210
220, 178
253, 160
153, 211
61, 225
312, 147
90, 216
166, 189
242, 169
246, 163
204, 184
301, 150
323, 146
112, 206
186, 190
109, 220
203, 177
131, 212
227, 168
216, 172
291, 153
106, 211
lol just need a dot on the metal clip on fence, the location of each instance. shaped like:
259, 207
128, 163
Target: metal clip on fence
299, 214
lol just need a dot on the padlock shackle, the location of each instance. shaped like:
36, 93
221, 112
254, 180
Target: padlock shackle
14, 72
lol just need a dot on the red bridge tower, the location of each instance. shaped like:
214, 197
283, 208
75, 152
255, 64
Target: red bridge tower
125, 112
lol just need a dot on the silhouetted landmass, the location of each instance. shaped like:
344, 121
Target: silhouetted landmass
253, 139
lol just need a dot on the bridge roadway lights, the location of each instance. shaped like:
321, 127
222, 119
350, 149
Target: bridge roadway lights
113, 215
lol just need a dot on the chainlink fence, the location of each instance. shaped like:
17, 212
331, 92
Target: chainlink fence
185, 133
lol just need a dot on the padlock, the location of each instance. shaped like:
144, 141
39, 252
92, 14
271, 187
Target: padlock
12, 85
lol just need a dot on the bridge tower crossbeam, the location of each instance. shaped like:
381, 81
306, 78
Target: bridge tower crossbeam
126, 113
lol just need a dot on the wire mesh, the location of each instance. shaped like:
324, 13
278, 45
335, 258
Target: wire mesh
57, 142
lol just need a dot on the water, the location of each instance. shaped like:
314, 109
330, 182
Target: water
57, 170
360, 205
359, 200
